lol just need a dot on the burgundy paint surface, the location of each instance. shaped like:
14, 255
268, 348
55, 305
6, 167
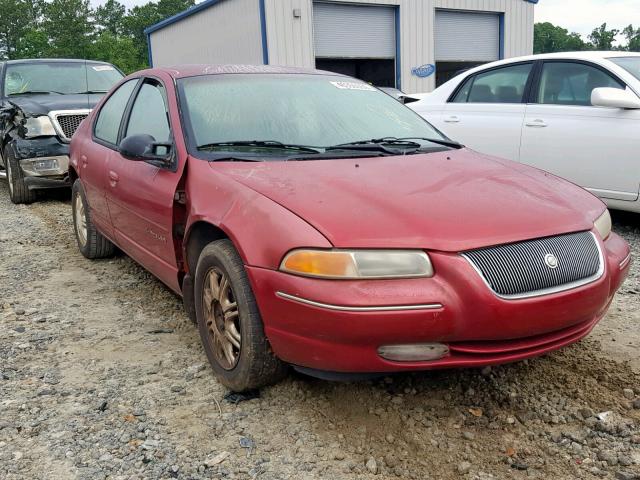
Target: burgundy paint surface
444, 203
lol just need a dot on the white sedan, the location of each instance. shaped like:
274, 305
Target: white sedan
576, 115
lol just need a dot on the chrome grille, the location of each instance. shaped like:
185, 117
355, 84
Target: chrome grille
520, 270
67, 122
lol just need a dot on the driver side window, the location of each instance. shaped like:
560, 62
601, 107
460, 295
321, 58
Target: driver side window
149, 113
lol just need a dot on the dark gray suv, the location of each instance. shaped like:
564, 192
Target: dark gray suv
42, 103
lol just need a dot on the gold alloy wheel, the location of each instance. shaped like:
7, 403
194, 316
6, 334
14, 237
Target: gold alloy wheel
221, 316
81, 220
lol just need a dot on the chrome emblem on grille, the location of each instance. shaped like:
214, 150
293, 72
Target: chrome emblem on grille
551, 261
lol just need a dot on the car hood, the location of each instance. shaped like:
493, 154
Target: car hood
450, 201
43, 104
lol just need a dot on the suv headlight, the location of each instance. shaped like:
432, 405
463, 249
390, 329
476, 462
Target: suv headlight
603, 224
39, 127
358, 264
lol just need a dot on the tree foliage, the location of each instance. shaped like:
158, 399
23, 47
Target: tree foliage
549, 38
73, 29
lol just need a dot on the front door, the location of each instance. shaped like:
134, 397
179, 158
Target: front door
594, 147
141, 195
486, 112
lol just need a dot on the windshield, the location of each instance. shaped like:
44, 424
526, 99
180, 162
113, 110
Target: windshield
630, 64
59, 77
303, 110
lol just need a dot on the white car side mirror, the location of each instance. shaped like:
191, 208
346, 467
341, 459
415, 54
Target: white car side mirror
614, 97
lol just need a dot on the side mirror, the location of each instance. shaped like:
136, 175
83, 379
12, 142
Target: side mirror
144, 147
615, 98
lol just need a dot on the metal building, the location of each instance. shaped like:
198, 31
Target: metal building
409, 44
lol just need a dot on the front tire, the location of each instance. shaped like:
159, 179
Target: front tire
18, 190
91, 243
229, 321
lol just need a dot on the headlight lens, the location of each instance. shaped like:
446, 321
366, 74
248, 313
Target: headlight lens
39, 127
343, 264
603, 224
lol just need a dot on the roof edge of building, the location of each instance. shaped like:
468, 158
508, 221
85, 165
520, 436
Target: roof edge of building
180, 15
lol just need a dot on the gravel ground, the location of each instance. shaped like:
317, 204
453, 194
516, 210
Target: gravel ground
102, 376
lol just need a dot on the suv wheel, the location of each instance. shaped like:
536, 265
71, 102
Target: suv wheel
18, 190
91, 243
229, 321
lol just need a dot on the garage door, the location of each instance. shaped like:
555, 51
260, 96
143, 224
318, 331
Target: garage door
353, 31
467, 36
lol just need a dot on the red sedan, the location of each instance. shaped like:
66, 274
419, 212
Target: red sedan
309, 219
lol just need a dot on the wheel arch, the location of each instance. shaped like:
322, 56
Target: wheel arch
199, 235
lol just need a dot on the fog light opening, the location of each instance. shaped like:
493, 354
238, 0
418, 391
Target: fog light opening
46, 164
423, 352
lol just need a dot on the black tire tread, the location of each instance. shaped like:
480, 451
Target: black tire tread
21, 193
97, 246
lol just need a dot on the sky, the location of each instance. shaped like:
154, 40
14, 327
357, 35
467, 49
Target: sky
580, 16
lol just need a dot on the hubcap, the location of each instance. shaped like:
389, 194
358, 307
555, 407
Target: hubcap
221, 316
81, 220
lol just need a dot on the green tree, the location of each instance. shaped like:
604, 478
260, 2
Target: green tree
68, 25
118, 50
17, 19
549, 38
602, 39
110, 16
633, 38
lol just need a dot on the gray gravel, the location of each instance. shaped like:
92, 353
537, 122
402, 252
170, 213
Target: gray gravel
103, 376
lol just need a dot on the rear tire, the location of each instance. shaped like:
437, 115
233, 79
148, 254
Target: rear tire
18, 190
229, 321
91, 243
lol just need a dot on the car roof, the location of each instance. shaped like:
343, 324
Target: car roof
587, 55
182, 71
53, 60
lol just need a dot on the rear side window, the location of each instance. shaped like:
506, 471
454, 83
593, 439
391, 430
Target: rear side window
111, 113
567, 83
149, 113
500, 85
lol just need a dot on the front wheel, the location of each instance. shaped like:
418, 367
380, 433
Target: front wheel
18, 190
229, 321
91, 243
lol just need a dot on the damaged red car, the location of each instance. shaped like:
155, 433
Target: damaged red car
310, 220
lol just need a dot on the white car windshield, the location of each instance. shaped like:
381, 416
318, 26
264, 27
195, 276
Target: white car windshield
310, 110
59, 78
630, 64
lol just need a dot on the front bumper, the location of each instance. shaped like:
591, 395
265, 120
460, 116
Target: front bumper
44, 162
455, 308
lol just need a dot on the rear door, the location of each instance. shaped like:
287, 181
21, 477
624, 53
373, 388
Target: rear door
595, 147
95, 154
486, 112
141, 195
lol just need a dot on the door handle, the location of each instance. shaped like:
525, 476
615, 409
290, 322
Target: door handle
84, 160
452, 119
537, 123
113, 178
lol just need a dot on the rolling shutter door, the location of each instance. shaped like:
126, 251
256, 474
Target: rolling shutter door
353, 31
467, 36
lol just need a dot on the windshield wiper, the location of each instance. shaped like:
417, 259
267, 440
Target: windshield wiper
438, 141
259, 143
90, 92
376, 145
35, 92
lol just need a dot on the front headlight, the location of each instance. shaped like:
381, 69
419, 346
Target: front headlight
603, 224
39, 127
358, 264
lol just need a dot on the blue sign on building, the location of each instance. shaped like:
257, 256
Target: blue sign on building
424, 71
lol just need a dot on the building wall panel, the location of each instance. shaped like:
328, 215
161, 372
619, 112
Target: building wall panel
227, 32
290, 39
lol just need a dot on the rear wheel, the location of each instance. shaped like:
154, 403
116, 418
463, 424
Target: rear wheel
229, 321
91, 243
18, 190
